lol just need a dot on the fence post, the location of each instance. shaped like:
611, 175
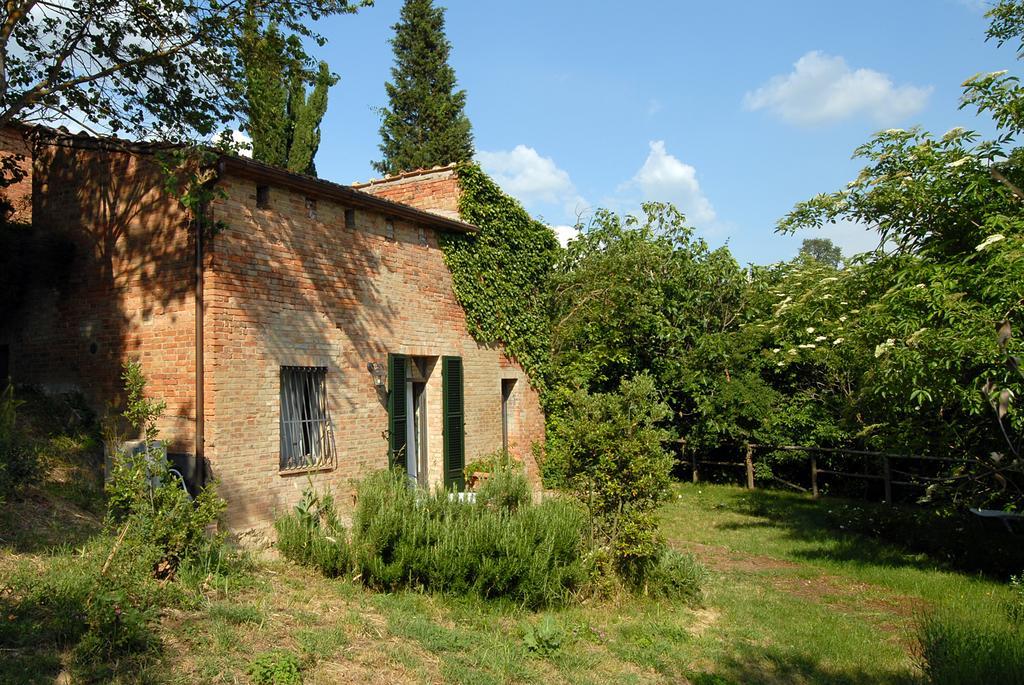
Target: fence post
750, 467
814, 476
696, 471
887, 476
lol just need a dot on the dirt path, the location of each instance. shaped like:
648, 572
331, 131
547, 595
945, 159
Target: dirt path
891, 612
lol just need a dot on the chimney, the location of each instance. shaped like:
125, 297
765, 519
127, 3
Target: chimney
433, 190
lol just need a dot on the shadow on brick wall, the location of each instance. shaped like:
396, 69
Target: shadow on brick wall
106, 272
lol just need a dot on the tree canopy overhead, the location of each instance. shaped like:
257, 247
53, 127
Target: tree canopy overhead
163, 69
424, 124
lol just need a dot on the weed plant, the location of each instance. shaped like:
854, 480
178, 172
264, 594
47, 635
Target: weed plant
545, 637
1015, 606
279, 667
99, 605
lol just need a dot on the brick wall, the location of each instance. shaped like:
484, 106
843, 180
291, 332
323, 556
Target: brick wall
14, 144
117, 283
434, 190
289, 289
284, 286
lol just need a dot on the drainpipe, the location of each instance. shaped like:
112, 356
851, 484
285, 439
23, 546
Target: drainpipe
200, 465
200, 446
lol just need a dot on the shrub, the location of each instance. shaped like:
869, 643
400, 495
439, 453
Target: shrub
279, 667
506, 488
407, 538
148, 502
674, 576
970, 648
312, 536
19, 461
611, 448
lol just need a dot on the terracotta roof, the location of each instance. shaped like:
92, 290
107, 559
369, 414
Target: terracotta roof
405, 174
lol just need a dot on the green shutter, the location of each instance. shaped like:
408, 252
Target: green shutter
397, 436
454, 422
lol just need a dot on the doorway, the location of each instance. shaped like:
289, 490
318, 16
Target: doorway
416, 420
507, 385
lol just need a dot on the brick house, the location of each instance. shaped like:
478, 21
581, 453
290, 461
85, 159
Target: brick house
316, 333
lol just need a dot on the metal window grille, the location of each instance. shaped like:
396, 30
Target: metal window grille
306, 437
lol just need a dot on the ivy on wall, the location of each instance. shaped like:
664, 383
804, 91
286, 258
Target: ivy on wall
501, 274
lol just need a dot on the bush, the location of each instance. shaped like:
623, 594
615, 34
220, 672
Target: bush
408, 538
506, 488
19, 462
612, 451
146, 500
966, 648
674, 576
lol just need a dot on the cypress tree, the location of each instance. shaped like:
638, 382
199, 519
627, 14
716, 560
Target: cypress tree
306, 114
283, 120
425, 123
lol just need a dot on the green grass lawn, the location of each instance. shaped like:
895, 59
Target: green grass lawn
791, 598
800, 599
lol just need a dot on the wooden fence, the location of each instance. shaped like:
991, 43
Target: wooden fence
889, 476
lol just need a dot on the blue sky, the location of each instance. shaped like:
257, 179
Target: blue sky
735, 111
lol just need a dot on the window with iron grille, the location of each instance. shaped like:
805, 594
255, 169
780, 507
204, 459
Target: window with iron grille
306, 438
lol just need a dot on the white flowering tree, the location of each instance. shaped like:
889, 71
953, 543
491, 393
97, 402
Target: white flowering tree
923, 309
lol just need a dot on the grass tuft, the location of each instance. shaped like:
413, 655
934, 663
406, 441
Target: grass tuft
970, 648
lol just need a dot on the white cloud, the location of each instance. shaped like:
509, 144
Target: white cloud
852, 237
565, 233
979, 6
544, 189
244, 141
823, 89
665, 178
522, 172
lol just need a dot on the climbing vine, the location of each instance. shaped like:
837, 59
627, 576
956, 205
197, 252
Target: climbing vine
501, 274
